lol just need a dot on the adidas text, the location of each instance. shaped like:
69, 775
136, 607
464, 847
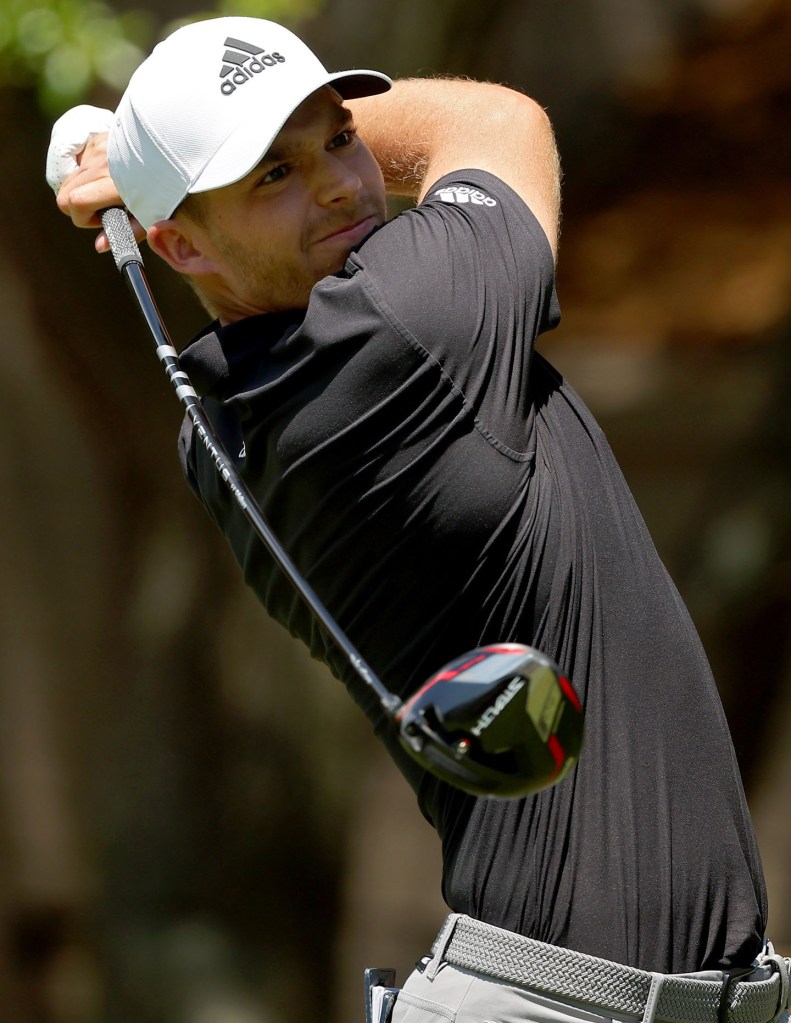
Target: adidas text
244, 62
462, 193
243, 74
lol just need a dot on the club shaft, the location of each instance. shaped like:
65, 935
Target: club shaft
130, 265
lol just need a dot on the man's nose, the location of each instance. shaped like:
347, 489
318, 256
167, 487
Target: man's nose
336, 181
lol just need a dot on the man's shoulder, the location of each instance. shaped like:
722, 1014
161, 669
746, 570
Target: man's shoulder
472, 187
465, 216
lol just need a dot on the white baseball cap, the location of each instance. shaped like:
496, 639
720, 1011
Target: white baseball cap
204, 108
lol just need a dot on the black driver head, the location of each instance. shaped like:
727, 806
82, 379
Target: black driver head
498, 721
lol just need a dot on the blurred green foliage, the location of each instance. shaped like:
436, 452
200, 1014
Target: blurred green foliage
275, 10
64, 49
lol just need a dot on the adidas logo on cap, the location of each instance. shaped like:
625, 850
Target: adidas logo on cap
244, 62
462, 193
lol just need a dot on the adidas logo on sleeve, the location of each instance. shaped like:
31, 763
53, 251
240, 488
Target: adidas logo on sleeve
463, 193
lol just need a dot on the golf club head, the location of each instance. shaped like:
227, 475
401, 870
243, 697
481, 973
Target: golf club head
499, 721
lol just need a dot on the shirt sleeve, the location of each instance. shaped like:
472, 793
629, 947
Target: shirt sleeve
469, 276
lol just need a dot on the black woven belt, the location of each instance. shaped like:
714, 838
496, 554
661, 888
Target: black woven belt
607, 986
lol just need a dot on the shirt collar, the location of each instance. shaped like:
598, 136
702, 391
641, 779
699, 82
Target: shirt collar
216, 353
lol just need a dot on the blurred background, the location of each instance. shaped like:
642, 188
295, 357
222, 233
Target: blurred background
195, 825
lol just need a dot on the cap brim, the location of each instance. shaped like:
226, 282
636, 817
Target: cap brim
242, 150
356, 84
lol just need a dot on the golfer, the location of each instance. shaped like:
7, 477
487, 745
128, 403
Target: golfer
441, 487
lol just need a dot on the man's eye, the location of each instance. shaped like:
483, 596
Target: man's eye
276, 174
344, 138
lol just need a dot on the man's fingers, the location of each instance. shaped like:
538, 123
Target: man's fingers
83, 203
70, 133
77, 168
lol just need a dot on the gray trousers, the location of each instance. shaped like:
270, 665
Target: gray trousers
456, 995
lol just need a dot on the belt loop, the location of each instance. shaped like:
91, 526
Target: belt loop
783, 967
651, 1003
440, 944
729, 976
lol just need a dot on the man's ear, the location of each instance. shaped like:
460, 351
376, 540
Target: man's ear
182, 248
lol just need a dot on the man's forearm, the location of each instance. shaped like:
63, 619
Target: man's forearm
424, 128
402, 128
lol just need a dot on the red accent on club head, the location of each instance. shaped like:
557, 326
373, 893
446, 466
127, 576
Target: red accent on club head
504, 648
571, 695
443, 676
558, 754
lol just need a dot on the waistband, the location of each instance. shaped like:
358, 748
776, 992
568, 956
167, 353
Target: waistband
612, 987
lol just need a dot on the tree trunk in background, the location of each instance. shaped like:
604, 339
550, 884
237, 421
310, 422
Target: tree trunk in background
193, 815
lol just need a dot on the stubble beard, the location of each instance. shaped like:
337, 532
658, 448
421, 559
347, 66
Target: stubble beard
271, 284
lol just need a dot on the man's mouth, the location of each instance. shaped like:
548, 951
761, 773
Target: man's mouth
350, 234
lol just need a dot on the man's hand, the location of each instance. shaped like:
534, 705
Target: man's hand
78, 173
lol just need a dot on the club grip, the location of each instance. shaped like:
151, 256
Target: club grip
122, 240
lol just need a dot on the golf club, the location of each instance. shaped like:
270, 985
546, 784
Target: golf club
499, 721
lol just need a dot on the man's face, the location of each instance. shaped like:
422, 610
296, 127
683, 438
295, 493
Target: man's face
295, 218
